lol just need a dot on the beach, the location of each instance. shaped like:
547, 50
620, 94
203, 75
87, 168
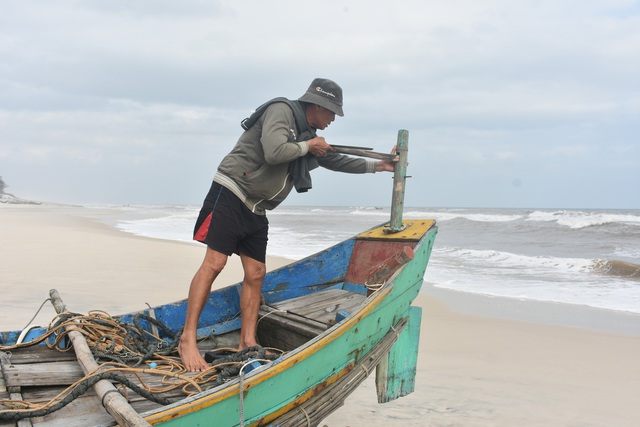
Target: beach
483, 361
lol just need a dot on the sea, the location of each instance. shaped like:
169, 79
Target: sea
572, 256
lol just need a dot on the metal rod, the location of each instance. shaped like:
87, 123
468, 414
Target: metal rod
399, 179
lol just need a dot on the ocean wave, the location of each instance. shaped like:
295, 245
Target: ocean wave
617, 268
627, 252
506, 260
369, 212
604, 284
383, 212
476, 217
308, 211
171, 227
579, 219
537, 265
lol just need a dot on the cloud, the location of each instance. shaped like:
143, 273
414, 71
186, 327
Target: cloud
113, 100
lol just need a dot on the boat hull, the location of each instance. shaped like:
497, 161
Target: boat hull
314, 377
270, 393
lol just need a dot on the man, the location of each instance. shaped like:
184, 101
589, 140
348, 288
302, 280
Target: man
274, 154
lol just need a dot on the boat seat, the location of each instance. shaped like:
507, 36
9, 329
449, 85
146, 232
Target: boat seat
290, 323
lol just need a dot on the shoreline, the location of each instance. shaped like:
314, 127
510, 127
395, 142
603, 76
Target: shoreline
538, 312
482, 360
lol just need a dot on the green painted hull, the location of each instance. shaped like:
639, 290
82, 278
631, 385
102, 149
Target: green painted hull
293, 380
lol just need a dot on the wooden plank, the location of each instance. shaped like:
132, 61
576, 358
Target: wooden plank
396, 373
349, 302
40, 354
4, 395
84, 420
324, 300
286, 331
85, 409
15, 393
291, 323
4, 392
43, 374
322, 306
299, 304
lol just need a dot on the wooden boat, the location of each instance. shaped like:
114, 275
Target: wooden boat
336, 316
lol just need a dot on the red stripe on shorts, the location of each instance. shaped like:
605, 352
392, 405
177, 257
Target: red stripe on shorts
203, 230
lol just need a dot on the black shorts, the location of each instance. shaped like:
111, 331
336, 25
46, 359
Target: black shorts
226, 225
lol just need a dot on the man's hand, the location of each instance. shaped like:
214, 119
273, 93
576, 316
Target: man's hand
318, 146
388, 166
384, 166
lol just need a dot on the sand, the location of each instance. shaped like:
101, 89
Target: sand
483, 361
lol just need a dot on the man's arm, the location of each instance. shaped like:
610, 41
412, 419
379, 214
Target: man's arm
342, 163
278, 129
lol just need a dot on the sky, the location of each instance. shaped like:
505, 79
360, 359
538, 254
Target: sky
529, 104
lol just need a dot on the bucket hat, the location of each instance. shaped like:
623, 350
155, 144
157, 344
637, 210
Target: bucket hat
325, 93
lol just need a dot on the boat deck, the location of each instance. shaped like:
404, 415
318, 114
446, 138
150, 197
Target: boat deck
38, 374
291, 323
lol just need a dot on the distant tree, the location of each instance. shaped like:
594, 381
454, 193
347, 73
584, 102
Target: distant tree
2, 186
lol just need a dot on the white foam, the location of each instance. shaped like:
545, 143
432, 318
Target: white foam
578, 219
566, 280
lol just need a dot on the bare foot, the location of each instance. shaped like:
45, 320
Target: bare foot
191, 357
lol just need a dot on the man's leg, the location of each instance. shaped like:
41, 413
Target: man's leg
199, 291
254, 272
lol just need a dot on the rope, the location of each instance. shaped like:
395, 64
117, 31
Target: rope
37, 312
241, 386
270, 313
306, 416
374, 287
72, 393
118, 345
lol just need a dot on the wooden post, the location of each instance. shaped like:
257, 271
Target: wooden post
399, 178
115, 404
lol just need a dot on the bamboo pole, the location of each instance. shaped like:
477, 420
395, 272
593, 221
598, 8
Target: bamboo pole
399, 178
115, 404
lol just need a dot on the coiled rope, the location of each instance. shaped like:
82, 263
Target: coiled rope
123, 348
